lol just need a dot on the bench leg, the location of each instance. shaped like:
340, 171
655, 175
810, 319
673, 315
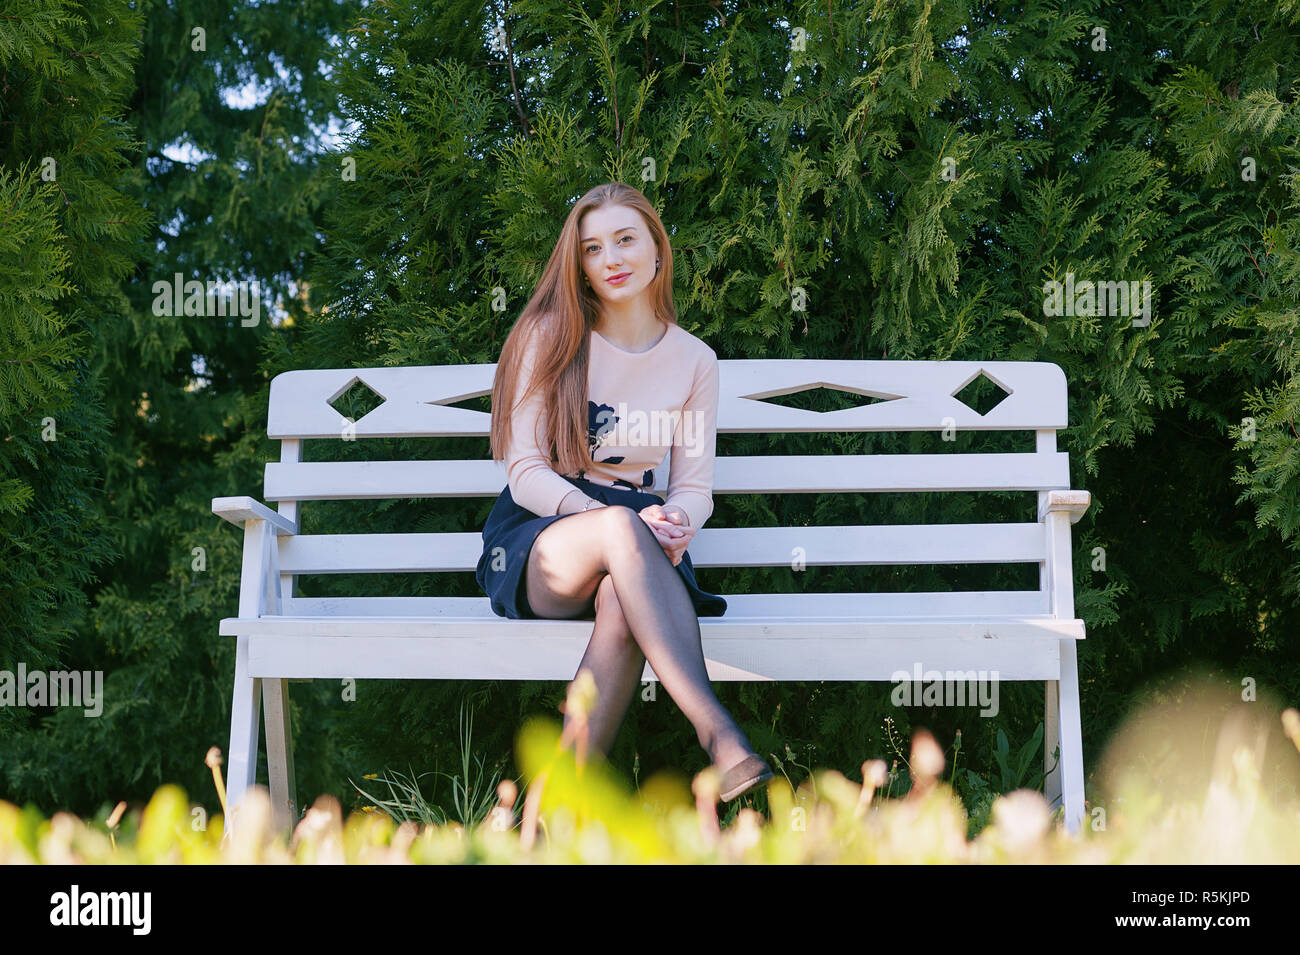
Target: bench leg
1052, 740
279, 753
1071, 738
241, 771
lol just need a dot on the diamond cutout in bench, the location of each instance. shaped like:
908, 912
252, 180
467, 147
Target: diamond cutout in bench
823, 397
357, 400
481, 403
982, 394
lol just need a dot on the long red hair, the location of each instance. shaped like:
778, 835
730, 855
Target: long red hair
562, 311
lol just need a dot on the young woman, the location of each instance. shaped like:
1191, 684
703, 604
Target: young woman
601, 383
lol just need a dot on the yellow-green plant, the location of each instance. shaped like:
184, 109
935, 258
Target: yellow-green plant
576, 810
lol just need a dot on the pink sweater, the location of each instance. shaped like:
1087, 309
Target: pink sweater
641, 407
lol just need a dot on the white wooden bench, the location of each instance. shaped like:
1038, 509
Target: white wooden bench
1021, 634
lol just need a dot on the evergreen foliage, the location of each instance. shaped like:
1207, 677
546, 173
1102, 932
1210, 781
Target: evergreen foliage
68, 223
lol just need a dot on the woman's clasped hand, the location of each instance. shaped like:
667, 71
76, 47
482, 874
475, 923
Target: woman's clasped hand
671, 529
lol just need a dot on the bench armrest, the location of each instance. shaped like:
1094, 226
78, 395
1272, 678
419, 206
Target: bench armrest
1076, 502
238, 510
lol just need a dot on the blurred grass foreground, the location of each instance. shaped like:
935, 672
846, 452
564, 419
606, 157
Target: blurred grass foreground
1205, 781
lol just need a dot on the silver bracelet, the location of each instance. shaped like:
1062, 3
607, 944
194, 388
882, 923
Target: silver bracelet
590, 501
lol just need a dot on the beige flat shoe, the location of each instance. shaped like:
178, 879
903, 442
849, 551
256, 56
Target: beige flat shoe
750, 772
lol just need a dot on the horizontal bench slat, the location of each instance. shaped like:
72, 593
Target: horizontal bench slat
783, 474
919, 397
712, 547
962, 603
552, 649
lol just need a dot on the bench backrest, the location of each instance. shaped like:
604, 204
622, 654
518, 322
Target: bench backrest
913, 396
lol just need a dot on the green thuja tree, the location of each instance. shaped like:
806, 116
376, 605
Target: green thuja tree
68, 221
228, 104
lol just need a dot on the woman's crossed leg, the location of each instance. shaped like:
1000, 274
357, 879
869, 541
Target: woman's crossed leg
610, 560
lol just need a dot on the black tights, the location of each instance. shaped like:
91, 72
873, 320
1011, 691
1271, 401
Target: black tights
610, 560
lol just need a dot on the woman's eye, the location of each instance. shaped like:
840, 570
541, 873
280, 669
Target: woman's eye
628, 237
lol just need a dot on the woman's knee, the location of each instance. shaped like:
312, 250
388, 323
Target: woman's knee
625, 528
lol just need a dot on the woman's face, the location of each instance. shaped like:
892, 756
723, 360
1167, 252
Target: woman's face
615, 241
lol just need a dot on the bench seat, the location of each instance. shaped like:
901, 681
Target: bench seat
735, 649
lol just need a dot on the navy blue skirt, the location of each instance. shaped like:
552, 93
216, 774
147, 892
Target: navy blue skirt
501, 574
